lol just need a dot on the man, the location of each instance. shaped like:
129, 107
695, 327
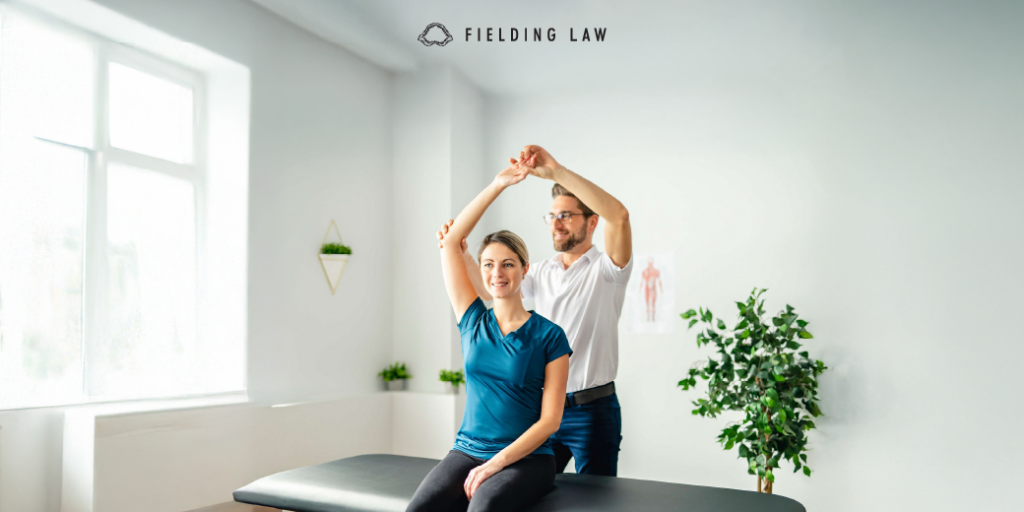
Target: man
582, 290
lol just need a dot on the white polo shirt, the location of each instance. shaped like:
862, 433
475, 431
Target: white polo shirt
585, 300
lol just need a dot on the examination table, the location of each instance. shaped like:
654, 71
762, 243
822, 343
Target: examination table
382, 483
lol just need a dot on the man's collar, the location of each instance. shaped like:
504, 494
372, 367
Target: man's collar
589, 255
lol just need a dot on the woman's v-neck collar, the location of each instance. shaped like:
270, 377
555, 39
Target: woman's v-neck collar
494, 318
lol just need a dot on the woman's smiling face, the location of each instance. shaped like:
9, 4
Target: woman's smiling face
501, 270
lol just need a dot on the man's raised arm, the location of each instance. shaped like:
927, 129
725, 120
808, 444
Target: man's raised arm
618, 237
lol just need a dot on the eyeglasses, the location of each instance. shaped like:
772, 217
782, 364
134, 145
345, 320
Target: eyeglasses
563, 217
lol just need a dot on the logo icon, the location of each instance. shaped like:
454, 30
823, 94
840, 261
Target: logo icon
435, 38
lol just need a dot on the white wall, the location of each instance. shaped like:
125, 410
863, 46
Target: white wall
425, 424
320, 150
880, 195
470, 173
422, 177
438, 130
182, 460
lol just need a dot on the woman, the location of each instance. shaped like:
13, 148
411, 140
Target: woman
517, 364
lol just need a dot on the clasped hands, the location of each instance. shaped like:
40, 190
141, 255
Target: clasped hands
533, 160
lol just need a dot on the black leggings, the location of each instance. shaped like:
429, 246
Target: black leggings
512, 488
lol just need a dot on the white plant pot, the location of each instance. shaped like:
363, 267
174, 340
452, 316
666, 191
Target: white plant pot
450, 388
334, 266
396, 385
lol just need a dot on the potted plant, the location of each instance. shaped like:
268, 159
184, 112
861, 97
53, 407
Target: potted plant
759, 373
333, 258
451, 380
395, 377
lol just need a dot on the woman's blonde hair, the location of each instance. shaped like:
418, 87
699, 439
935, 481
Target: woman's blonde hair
508, 239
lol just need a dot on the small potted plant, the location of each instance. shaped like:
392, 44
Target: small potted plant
451, 380
333, 258
395, 377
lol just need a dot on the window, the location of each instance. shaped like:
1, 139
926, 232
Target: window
102, 198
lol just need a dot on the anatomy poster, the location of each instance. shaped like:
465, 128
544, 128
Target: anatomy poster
651, 296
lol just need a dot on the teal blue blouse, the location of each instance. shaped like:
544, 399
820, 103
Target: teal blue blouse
504, 379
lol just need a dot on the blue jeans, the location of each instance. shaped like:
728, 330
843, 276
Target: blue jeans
591, 434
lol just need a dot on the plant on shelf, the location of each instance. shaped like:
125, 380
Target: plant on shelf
395, 376
333, 248
454, 378
394, 372
759, 372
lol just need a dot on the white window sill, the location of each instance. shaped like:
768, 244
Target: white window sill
150, 405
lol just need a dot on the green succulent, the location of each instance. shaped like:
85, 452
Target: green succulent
394, 372
455, 377
335, 249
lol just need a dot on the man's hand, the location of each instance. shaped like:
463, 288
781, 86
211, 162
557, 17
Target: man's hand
539, 162
477, 476
444, 231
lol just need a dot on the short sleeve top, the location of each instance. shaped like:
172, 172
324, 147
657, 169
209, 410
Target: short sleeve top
586, 300
504, 379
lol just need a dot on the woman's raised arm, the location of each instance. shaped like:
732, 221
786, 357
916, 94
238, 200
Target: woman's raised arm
456, 276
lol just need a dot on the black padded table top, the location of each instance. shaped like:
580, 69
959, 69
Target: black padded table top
386, 483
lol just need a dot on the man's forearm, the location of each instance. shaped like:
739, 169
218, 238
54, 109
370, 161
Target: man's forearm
618, 237
603, 203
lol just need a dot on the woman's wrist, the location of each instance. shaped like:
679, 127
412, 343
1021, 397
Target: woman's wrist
498, 461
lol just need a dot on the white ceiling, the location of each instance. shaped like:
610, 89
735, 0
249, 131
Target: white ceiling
648, 42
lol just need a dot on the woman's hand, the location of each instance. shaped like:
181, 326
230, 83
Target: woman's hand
538, 161
477, 476
512, 174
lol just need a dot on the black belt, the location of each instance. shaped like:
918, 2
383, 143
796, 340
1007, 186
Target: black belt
584, 396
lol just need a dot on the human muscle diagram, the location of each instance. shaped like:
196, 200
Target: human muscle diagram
650, 298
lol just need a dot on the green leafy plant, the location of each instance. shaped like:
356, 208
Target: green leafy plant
394, 372
335, 249
759, 372
455, 377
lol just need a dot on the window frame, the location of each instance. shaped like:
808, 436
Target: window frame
99, 156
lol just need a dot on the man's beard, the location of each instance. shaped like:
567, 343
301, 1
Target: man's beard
573, 240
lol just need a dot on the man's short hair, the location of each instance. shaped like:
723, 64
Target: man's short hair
559, 190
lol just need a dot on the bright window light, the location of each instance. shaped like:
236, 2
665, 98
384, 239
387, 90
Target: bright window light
47, 83
42, 246
150, 345
46, 90
103, 201
150, 115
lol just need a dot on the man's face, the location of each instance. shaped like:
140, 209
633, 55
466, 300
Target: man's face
570, 233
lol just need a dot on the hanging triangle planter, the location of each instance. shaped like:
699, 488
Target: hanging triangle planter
334, 266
